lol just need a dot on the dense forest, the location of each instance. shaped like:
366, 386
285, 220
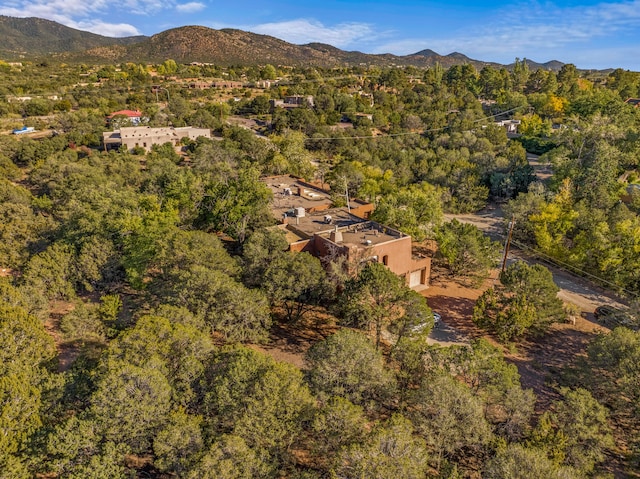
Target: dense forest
137, 286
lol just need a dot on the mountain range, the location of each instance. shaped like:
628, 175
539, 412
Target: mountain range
36, 37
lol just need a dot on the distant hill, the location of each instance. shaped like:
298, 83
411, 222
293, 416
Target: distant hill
430, 58
554, 65
229, 46
35, 37
232, 47
225, 47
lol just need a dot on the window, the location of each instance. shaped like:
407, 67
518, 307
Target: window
385, 260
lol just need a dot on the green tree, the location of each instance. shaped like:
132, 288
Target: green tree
176, 348
83, 324
466, 250
177, 445
236, 206
260, 105
525, 302
21, 228
291, 146
226, 306
76, 449
583, 421
373, 299
259, 251
230, 457
612, 369
97, 262
146, 236
53, 271
536, 282
347, 365
170, 66
268, 72
131, 404
338, 424
518, 462
391, 451
450, 418
256, 398
25, 353
416, 210
298, 282
482, 367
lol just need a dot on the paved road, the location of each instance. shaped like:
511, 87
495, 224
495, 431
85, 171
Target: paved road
573, 289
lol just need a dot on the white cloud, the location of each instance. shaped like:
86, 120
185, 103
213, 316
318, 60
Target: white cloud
190, 7
83, 14
108, 29
542, 32
305, 31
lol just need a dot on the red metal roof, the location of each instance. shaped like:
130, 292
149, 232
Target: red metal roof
129, 113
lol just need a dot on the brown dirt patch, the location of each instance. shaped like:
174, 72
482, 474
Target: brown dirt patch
67, 352
538, 360
288, 342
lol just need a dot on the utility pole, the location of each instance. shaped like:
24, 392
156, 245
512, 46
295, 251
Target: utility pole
157, 89
346, 189
507, 244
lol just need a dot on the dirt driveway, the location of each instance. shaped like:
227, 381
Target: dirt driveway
537, 360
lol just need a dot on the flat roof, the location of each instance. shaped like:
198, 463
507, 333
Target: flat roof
365, 233
355, 231
290, 192
367, 237
312, 224
286, 191
140, 131
290, 235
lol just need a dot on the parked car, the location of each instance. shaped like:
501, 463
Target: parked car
605, 311
615, 317
436, 322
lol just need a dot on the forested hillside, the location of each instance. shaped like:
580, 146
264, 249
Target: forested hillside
137, 287
36, 37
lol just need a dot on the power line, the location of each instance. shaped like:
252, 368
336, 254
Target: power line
573, 268
567, 266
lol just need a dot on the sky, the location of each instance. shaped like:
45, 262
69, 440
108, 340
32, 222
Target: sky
590, 34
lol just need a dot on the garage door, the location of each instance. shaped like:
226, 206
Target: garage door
415, 278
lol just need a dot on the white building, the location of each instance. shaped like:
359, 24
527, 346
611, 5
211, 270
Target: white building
146, 137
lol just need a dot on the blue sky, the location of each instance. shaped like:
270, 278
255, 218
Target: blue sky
590, 34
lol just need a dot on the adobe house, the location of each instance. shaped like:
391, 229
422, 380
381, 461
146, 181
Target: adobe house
293, 101
290, 192
146, 137
336, 232
229, 84
311, 224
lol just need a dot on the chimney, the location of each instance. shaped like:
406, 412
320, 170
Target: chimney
336, 235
